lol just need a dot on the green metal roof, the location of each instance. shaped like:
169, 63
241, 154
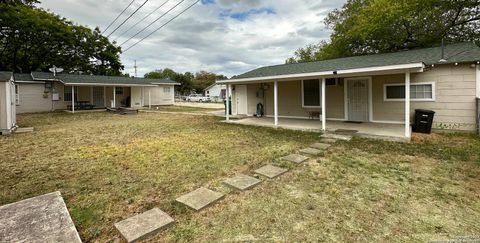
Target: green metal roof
5, 76
460, 52
96, 79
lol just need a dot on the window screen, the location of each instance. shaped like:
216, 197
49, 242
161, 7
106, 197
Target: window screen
311, 92
396, 92
417, 91
119, 90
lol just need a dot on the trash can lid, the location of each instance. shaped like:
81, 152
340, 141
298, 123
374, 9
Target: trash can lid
425, 111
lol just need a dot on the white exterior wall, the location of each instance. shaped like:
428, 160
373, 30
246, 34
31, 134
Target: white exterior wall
215, 91
7, 107
158, 96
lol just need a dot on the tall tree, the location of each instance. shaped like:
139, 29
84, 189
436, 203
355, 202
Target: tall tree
203, 79
378, 26
33, 39
185, 79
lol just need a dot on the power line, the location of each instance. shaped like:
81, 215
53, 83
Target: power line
176, 16
152, 22
118, 16
155, 10
128, 18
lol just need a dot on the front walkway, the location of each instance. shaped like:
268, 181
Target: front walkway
392, 132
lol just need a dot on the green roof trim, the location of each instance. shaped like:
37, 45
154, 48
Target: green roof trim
101, 80
454, 53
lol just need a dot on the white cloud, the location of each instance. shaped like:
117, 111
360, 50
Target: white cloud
201, 39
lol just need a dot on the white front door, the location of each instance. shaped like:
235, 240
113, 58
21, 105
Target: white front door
98, 96
241, 94
357, 99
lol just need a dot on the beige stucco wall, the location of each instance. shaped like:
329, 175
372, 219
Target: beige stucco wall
290, 100
455, 88
158, 96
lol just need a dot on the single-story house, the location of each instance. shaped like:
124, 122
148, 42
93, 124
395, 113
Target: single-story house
216, 92
7, 103
40, 92
371, 94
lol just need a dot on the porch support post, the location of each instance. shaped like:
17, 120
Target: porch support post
114, 98
324, 106
227, 102
275, 102
73, 99
149, 99
407, 104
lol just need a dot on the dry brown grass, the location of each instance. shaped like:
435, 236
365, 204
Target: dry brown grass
110, 167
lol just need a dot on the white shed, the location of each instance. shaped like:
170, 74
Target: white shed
216, 92
7, 103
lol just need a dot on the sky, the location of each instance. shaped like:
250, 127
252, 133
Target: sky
222, 36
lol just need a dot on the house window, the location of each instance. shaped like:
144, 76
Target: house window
119, 90
331, 81
67, 93
418, 92
166, 90
311, 93
17, 95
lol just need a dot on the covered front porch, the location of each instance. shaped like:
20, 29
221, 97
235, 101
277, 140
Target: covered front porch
385, 131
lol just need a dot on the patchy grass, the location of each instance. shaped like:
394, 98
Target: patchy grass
174, 108
109, 167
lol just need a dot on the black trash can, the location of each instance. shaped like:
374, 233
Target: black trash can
229, 106
423, 121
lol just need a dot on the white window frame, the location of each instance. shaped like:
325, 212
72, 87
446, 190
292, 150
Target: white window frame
412, 99
17, 94
165, 90
320, 94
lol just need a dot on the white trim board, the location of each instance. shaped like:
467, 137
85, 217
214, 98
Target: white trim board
419, 65
411, 99
477, 75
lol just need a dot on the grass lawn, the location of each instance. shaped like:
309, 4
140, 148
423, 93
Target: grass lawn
109, 167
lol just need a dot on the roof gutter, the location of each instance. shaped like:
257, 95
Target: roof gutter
419, 65
104, 84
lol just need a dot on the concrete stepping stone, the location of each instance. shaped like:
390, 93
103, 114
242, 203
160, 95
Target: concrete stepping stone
23, 130
143, 225
43, 218
329, 140
311, 151
200, 198
295, 158
320, 145
242, 182
271, 171
337, 136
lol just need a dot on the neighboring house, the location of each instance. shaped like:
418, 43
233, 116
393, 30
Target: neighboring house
7, 103
381, 90
216, 92
39, 92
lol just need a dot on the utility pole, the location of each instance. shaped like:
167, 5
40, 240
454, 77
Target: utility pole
135, 66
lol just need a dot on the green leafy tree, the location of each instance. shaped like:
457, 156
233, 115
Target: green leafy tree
379, 26
185, 79
33, 39
203, 79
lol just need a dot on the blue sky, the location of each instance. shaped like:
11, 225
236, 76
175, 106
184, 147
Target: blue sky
222, 36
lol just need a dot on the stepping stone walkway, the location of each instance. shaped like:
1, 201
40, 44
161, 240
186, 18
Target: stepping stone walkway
337, 136
271, 171
329, 140
242, 182
320, 146
200, 198
143, 225
295, 158
311, 151
39, 219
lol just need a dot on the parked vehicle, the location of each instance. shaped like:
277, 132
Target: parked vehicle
198, 98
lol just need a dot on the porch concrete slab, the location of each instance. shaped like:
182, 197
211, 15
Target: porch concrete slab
321, 146
271, 171
24, 130
311, 151
295, 158
242, 182
143, 225
337, 136
43, 218
200, 198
